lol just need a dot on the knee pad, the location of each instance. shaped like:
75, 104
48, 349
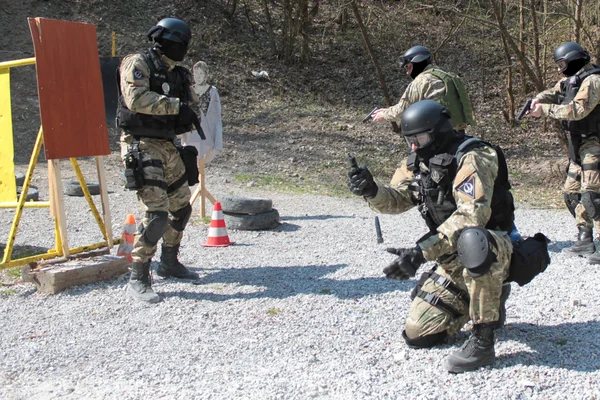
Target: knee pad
157, 225
182, 217
571, 201
474, 248
591, 202
425, 342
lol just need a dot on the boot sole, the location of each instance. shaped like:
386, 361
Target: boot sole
457, 369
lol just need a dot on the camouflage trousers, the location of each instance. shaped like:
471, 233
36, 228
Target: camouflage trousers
169, 169
425, 319
580, 180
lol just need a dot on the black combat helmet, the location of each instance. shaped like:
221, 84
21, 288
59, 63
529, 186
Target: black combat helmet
172, 36
415, 54
570, 57
424, 121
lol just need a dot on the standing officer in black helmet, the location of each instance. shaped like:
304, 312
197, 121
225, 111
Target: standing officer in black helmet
460, 185
155, 105
433, 83
574, 101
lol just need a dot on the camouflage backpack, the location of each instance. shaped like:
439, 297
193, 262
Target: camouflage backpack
456, 99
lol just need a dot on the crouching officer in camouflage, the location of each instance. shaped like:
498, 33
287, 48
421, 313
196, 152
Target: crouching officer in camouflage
433, 83
154, 105
574, 101
460, 185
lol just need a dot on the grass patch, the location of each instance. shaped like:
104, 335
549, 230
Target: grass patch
272, 312
8, 292
14, 272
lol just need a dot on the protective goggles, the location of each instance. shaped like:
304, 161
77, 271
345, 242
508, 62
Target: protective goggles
420, 140
562, 65
403, 61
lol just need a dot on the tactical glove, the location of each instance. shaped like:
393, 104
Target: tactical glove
361, 182
187, 117
406, 265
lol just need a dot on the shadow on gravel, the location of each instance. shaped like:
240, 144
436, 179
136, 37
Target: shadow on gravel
317, 217
573, 346
557, 247
281, 282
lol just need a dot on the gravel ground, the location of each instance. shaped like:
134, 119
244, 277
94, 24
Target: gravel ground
295, 313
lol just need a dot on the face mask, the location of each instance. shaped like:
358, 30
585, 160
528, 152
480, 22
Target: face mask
174, 50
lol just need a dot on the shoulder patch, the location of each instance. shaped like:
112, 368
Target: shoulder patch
468, 187
137, 74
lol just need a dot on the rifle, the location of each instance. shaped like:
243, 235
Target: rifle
370, 115
525, 110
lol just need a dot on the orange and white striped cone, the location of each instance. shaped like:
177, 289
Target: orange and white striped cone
125, 248
217, 232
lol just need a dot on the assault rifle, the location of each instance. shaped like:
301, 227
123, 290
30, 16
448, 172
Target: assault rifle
525, 110
370, 115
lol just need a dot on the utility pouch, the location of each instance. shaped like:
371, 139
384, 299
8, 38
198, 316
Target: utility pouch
189, 155
134, 170
530, 257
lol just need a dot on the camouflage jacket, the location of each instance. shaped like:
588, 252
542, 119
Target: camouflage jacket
135, 88
587, 98
472, 190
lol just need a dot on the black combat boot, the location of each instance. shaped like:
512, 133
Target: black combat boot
171, 267
139, 287
584, 244
477, 352
594, 258
503, 297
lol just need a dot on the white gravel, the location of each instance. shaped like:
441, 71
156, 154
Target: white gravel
299, 313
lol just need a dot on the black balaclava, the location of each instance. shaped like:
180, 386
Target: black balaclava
174, 50
440, 143
418, 68
574, 66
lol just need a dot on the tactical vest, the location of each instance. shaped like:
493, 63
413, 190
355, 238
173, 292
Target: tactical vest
456, 99
436, 201
583, 128
174, 83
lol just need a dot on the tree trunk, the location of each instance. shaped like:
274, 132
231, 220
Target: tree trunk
270, 33
365, 35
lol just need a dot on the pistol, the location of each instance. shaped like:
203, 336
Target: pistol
370, 115
352, 161
525, 110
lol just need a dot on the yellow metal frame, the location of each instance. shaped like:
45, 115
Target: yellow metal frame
55, 205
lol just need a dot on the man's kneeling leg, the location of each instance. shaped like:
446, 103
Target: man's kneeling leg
425, 342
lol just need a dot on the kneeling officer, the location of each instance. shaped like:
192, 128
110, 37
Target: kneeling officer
460, 185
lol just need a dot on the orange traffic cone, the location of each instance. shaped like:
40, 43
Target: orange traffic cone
129, 230
217, 232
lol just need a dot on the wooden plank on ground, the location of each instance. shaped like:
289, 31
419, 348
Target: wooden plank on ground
55, 278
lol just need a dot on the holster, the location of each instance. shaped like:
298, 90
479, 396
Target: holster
189, 155
134, 170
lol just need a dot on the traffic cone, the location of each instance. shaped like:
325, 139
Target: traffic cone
129, 230
217, 232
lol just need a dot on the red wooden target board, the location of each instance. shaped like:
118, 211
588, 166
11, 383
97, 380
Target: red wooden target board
69, 88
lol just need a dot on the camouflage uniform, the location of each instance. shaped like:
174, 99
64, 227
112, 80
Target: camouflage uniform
478, 168
585, 101
424, 86
164, 164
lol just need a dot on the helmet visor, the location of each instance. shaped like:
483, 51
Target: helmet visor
562, 65
420, 140
403, 61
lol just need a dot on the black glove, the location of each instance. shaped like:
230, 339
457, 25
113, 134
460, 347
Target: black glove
187, 117
406, 265
361, 182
